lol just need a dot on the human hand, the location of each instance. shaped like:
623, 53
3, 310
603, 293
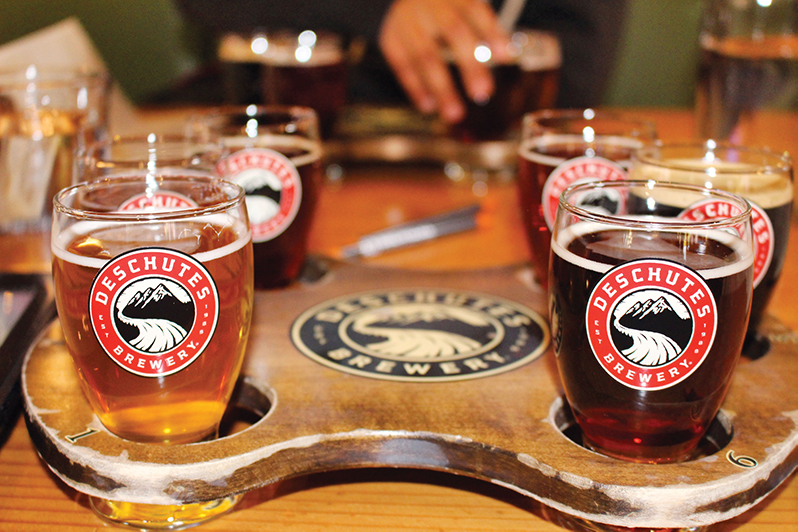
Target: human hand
416, 33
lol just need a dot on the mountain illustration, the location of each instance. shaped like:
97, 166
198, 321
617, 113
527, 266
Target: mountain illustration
155, 320
651, 332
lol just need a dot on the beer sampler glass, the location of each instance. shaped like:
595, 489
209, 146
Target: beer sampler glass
763, 177
560, 148
306, 68
648, 310
125, 155
155, 304
274, 153
528, 82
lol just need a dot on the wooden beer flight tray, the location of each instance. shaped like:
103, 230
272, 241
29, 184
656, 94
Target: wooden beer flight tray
508, 428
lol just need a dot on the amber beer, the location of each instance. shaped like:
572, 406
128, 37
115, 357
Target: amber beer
560, 148
156, 310
542, 176
648, 324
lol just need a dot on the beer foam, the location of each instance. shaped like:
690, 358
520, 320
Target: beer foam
565, 237
768, 189
284, 55
271, 141
528, 148
84, 228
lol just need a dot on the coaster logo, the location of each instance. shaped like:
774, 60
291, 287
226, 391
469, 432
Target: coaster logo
651, 323
273, 187
153, 310
424, 335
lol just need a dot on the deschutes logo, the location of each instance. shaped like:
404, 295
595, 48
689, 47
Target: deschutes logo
153, 310
273, 187
651, 323
580, 170
764, 236
159, 201
421, 335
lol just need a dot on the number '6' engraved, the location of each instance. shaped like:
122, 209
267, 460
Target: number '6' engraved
741, 461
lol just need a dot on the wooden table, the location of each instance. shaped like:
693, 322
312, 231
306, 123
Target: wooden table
369, 198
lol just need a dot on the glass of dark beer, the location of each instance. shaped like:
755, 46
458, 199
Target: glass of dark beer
274, 153
560, 148
528, 82
309, 69
155, 299
648, 310
763, 177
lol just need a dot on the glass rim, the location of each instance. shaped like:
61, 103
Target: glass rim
588, 114
658, 223
295, 112
147, 216
782, 161
18, 78
90, 152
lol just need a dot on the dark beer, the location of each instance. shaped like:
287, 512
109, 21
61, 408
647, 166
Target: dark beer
528, 82
764, 178
620, 412
282, 193
309, 70
547, 166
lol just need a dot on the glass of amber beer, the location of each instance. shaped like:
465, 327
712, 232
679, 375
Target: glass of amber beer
761, 176
560, 148
648, 310
153, 283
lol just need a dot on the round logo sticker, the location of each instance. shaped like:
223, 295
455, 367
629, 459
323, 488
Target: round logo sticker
717, 209
160, 201
651, 323
153, 310
423, 336
579, 170
273, 187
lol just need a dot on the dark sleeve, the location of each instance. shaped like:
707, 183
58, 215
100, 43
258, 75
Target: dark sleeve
347, 17
590, 32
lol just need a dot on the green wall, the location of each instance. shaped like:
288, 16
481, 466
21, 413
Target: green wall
144, 42
659, 55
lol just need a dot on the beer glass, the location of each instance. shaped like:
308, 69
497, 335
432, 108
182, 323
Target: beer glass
648, 310
748, 69
155, 302
45, 115
126, 155
763, 177
563, 147
527, 83
309, 69
274, 153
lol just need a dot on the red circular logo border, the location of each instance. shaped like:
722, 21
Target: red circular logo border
281, 167
115, 276
599, 334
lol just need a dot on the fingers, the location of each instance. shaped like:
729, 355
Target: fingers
417, 38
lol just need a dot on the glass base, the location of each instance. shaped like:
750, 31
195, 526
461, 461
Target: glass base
157, 517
